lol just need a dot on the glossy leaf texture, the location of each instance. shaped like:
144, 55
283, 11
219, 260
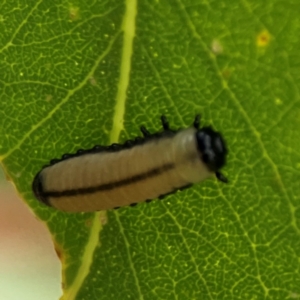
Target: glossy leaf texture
76, 74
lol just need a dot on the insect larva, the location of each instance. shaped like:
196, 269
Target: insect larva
140, 170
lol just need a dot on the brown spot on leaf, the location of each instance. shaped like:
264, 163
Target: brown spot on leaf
263, 38
88, 223
59, 252
74, 13
49, 98
226, 73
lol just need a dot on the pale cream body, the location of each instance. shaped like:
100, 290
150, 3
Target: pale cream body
89, 170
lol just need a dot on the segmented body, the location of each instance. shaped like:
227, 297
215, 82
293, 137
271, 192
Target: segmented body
119, 175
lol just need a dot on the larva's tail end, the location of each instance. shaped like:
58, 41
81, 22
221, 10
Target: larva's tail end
37, 188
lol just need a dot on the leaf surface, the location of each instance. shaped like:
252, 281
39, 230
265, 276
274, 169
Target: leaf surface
73, 75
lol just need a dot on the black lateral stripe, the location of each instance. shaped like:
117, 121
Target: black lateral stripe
110, 186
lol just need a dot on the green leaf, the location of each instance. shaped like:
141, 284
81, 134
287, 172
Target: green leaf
76, 74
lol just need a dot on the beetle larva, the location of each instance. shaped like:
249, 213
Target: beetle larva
139, 170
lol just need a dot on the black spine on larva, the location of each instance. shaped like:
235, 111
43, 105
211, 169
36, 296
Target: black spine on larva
147, 136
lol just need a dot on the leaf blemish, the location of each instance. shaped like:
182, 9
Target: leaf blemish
88, 223
74, 13
49, 98
294, 295
59, 252
263, 39
226, 73
93, 81
216, 47
103, 218
18, 175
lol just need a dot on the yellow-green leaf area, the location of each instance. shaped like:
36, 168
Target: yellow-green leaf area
74, 74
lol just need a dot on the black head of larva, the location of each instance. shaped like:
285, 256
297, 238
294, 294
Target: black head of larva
212, 147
